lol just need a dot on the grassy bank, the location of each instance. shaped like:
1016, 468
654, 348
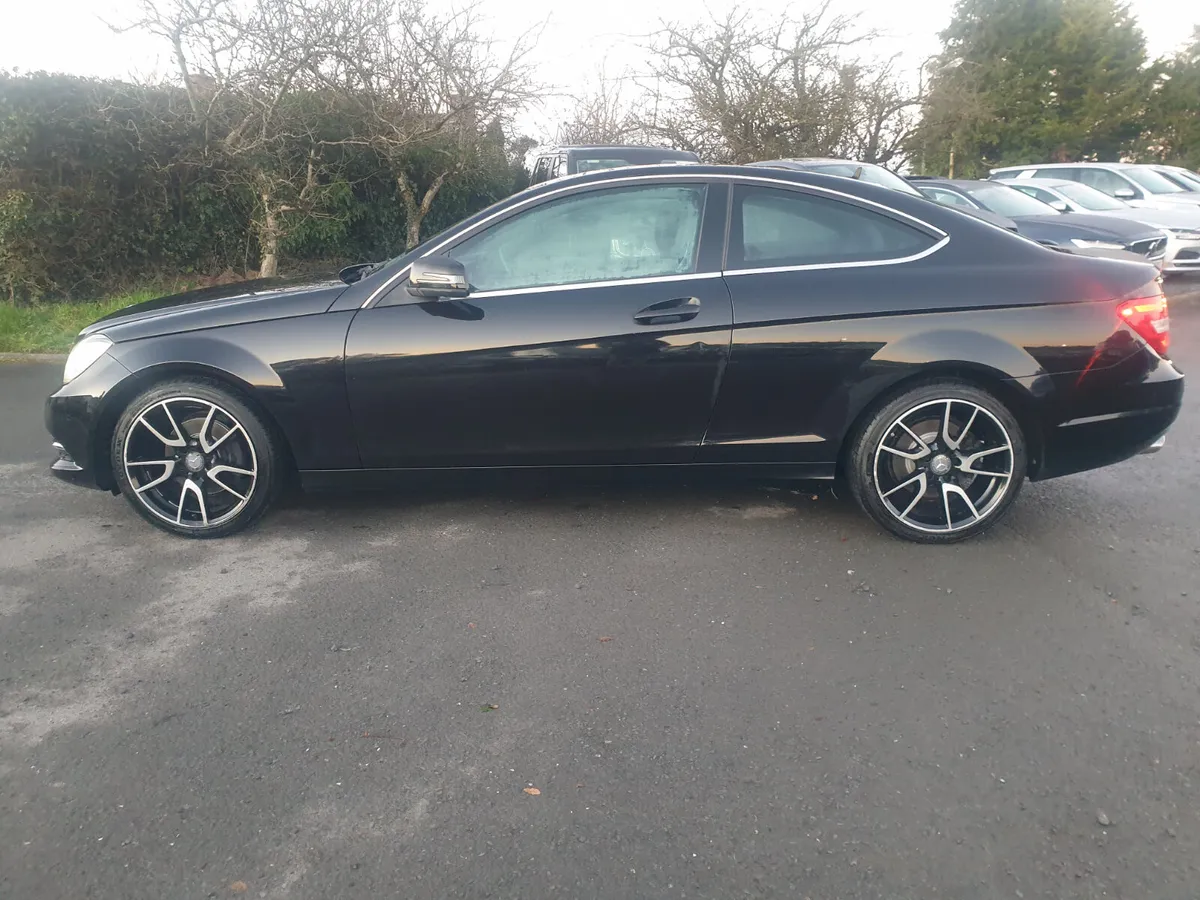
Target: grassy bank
52, 327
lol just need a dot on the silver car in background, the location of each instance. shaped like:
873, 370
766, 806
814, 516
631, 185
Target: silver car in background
1139, 186
1180, 224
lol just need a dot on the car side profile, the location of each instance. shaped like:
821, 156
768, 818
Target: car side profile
1181, 225
1043, 223
777, 324
1135, 184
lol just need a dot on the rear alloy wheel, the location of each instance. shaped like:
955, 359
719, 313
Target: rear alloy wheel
939, 464
194, 460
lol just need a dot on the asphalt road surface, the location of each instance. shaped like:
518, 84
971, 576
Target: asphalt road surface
719, 692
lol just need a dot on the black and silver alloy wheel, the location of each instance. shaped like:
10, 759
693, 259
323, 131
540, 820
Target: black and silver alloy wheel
193, 459
940, 463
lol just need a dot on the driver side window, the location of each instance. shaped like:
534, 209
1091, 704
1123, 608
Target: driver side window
605, 235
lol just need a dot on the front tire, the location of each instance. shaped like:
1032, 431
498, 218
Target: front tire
194, 459
940, 463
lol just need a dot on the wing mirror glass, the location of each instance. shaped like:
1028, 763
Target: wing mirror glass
438, 278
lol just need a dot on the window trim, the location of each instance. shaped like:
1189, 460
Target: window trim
709, 178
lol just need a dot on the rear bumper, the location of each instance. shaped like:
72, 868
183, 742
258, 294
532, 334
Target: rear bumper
1110, 416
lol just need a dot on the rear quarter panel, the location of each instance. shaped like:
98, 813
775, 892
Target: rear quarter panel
812, 350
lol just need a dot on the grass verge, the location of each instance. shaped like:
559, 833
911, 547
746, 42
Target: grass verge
53, 327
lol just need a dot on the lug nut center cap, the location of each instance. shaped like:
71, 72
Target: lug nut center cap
939, 465
194, 461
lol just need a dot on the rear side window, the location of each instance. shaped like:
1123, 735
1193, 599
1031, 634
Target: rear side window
788, 228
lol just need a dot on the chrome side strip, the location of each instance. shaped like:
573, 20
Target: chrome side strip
729, 273
681, 176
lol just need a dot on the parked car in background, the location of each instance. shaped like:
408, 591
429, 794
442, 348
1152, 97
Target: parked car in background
1136, 185
558, 161
872, 174
1185, 178
780, 324
1180, 225
1044, 224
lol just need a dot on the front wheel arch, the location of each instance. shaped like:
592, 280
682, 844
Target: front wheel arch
124, 392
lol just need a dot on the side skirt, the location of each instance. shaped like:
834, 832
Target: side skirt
376, 479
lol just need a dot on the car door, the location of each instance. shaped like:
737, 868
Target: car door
595, 334
1106, 181
806, 272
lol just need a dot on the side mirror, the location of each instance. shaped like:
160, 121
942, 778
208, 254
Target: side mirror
1125, 193
438, 278
1060, 205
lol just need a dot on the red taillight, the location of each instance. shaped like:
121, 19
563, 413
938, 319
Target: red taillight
1148, 318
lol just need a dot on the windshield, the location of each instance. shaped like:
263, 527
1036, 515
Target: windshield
870, 174
1187, 179
1009, 202
1151, 181
1088, 197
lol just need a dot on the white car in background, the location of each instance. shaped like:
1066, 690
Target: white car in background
1185, 178
1180, 224
1139, 186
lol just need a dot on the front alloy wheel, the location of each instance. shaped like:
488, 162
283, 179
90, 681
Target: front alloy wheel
940, 463
193, 459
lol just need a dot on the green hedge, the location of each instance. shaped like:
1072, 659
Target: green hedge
104, 185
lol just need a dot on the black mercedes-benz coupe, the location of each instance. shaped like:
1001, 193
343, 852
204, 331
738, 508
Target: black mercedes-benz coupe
779, 324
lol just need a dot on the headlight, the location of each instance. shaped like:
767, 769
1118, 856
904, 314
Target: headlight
1184, 234
83, 354
1096, 245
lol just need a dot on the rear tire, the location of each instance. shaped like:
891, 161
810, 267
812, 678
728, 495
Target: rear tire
194, 459
939, 463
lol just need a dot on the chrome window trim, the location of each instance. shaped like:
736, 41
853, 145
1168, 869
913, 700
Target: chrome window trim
686, 177
580, 285
854, 264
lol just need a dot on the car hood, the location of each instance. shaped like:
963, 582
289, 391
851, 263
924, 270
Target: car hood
257, 300
1089, 227
1179, 217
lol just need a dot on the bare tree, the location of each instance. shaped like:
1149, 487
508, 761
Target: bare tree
734, 90
424, 89
601, 115
248, 72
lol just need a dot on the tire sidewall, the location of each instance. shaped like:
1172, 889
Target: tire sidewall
861, 463
257, 432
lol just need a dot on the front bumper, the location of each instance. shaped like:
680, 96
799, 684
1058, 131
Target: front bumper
75, 418
1181, 256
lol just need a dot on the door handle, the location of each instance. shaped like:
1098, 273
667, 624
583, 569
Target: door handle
667, 312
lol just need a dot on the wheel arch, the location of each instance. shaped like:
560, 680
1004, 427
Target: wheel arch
120, 396
1018, 399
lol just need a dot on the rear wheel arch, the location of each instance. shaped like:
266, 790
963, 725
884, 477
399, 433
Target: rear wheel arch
121, 395
1017, 399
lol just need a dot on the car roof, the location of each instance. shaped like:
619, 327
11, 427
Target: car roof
1046, 182
1067, 165
863, 189
788, 162
960, 183
625, 149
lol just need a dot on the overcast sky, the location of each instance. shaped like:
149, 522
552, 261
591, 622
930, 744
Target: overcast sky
579, 38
